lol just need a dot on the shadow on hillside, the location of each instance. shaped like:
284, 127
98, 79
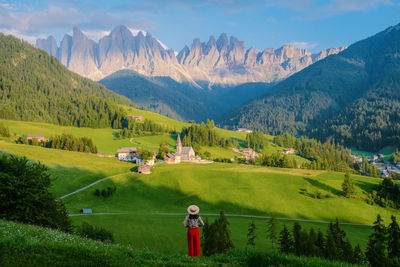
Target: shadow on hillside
367, 188
66, 179
135, 196
324, 186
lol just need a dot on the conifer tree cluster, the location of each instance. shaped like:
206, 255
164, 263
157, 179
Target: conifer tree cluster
325, 156
216, 236
256, 140
395, 157
203, 135
333, 246
131, 128
383, 247
36, 87
387, 194
63, 142
276, 160
109, 191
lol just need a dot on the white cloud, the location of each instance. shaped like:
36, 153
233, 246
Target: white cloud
27, 38
314, 9
95, 34
136, 31
303, 45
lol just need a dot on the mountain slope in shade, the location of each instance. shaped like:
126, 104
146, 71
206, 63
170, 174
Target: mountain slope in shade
352, 97
36, 87
181, 100
221, 61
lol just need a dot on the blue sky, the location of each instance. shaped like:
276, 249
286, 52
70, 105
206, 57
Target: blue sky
311, 24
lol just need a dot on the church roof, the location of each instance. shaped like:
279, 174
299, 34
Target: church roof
186, 149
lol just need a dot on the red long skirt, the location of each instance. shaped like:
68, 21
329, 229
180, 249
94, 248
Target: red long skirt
193, 237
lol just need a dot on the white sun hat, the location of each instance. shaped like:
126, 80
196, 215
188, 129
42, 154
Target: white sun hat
193, 210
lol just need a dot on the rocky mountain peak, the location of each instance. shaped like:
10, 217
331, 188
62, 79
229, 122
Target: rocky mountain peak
222, 42
222, 61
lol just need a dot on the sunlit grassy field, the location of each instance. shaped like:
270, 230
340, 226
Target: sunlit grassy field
70, 170
235, 189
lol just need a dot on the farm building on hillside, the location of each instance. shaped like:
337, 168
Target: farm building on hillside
244, 130
135, 117
145, 169
127, 153
289, 151
133, 154
37, 137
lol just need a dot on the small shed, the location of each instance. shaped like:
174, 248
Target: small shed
86, 211
145, 169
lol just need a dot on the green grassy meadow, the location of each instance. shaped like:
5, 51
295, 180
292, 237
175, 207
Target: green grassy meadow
70, 170
233, 188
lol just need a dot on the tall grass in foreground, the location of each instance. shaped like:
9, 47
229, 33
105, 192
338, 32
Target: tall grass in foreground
35, 246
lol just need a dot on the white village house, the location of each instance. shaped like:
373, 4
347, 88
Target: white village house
132, 154
127, 153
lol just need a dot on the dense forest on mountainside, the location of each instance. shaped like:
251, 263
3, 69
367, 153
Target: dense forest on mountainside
36, 87
352, 97
183, 100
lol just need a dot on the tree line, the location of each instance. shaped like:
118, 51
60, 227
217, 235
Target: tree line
131, 128
387, 194
394, 157
203, 135
63, 142
325, 156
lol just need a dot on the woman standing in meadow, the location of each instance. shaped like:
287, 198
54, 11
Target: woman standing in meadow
193, 221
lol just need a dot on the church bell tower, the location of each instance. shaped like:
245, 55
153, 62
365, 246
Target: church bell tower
179, 145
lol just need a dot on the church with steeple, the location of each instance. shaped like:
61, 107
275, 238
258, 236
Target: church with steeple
186, 152
183, 153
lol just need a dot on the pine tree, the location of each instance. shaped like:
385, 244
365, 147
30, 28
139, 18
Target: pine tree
347, 186
285, 241
319, 243
297, 239
358, 255
272, 230
330, 250
393, 239
208, 241
216, 236
223, 235
251, 235
376, 245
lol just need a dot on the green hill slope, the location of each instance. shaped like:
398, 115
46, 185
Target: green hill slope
36, 87
25, 245
353, 97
